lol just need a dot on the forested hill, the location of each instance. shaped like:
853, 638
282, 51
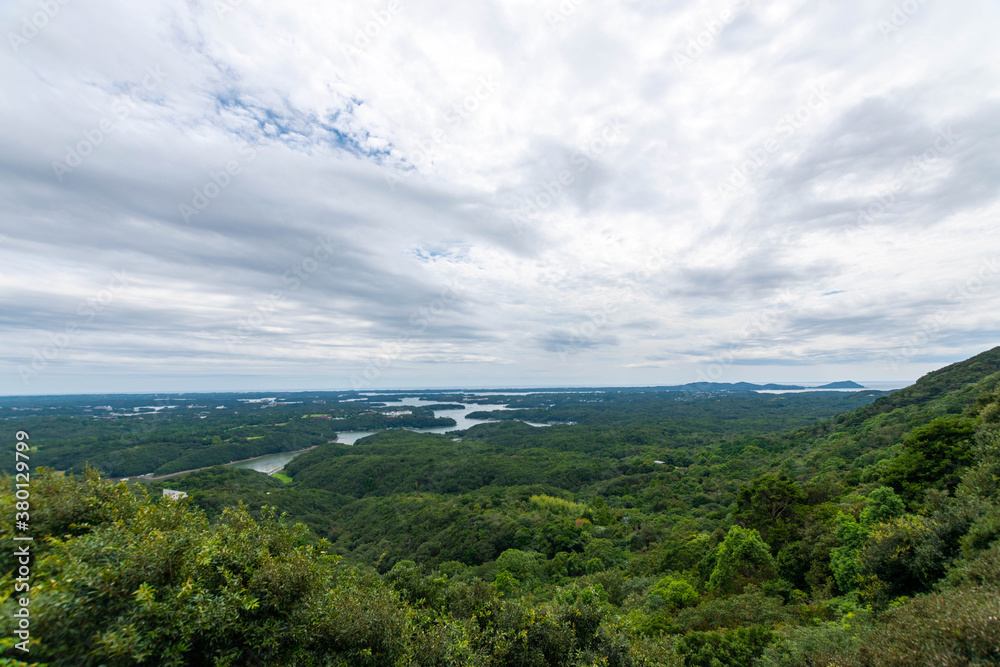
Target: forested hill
950, 388
868, 538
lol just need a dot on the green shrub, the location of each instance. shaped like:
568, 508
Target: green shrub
983, 569
949, 628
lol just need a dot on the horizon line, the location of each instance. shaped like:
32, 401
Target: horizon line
511, 388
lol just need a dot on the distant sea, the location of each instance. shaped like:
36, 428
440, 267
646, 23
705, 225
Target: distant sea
878, 386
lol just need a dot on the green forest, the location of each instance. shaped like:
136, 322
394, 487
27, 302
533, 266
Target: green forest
168, 442
703, 529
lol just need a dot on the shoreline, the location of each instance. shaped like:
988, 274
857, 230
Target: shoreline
184, 472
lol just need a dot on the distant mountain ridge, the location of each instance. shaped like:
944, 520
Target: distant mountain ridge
691, 386
730, 386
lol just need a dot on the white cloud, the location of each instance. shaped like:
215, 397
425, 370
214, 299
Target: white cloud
466, 147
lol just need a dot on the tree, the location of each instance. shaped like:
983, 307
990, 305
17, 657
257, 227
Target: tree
931, 457
743, 558
847, 562
151, 581
771, 504
729, 648
844, 559
520, 564
881, 506
672, 593
900, 557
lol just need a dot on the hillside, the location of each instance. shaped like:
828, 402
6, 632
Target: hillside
949, 389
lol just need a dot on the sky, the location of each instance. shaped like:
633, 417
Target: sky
246, 195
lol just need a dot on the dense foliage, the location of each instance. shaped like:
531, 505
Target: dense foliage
124, 440
870, 538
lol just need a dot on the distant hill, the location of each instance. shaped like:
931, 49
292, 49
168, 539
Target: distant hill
730, 386
847, 384
691, 386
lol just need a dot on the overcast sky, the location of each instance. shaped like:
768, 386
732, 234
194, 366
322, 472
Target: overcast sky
240, 195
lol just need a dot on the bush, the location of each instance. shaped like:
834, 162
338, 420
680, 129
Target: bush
981, 570
950, 628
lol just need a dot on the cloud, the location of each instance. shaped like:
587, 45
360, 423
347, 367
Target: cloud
463, 191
